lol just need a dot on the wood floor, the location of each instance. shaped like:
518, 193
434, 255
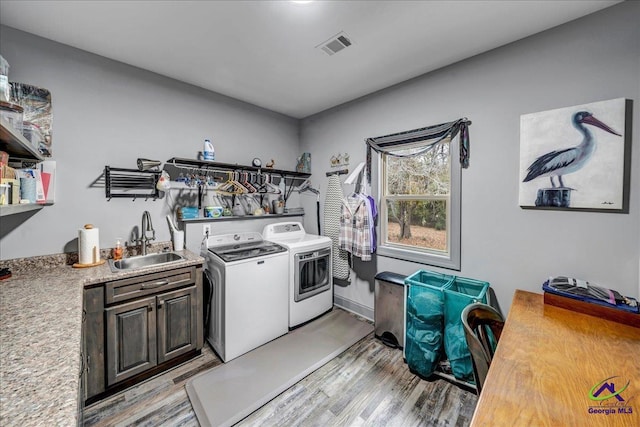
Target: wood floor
368, 385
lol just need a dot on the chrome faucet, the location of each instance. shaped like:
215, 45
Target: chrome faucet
146, 226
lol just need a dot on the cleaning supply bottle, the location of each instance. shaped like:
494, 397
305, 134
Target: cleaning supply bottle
207, 150
118, 250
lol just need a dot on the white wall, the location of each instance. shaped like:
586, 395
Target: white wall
108, 113
591, 59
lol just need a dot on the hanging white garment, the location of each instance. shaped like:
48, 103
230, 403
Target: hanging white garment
332, 212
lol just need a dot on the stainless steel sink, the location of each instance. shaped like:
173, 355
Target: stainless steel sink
144, 261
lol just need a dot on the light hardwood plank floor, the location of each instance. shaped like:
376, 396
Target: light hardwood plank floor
367, 385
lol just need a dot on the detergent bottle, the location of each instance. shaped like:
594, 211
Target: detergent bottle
207, 150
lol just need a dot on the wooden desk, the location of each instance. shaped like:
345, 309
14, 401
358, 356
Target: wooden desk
547, 362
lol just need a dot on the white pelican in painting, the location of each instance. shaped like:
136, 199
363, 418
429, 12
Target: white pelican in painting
562, 162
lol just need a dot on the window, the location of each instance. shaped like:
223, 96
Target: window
419, 194
419, 190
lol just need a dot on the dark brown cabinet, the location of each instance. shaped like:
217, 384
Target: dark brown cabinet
93, 341
137, 327
131, 339
177, 323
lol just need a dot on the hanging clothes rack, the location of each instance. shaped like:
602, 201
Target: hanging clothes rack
219, 169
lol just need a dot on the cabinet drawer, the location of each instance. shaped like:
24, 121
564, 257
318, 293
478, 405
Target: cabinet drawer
135, 287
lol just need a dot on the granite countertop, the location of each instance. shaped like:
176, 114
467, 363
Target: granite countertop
40, 338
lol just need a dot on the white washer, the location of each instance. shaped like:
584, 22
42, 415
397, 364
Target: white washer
310, 273
249, 292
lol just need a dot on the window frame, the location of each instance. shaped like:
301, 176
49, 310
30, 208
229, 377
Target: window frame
450, 260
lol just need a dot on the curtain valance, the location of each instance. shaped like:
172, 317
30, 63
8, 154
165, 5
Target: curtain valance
430, 136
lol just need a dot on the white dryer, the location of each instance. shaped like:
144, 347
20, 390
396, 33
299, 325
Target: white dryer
310, 274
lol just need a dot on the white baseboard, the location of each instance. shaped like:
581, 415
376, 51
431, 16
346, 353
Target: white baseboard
354, 307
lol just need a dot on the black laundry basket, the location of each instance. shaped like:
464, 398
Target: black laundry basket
425, 320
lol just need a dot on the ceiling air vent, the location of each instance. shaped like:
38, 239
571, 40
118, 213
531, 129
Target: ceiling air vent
335, 44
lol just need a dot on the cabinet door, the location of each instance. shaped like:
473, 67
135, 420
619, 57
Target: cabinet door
82, 392
93, 331
131, 339
177, 323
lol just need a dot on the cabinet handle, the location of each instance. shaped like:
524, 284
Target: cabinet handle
150, 307
160, 304
155, 284
88, 363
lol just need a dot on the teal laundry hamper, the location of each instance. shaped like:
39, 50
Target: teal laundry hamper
425, 320
457, 295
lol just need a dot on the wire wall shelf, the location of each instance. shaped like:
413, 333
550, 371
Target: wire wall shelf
131, 183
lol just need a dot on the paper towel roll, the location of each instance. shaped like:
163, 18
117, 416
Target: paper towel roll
88, 245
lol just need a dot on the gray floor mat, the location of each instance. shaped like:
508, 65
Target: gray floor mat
228, 393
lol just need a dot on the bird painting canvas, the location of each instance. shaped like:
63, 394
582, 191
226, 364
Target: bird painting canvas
573, 157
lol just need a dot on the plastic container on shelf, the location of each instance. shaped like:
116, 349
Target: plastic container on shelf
188, 212
28, 190
208, 153
4, 80
4, 194
32, 133
425, 320
213, 211
278, 206
4, 66
13, 114
460, 293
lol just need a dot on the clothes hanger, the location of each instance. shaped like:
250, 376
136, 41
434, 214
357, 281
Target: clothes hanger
232, 186
245, 183
270, 187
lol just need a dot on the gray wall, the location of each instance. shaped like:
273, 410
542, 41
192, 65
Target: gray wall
108, 113
591, 59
